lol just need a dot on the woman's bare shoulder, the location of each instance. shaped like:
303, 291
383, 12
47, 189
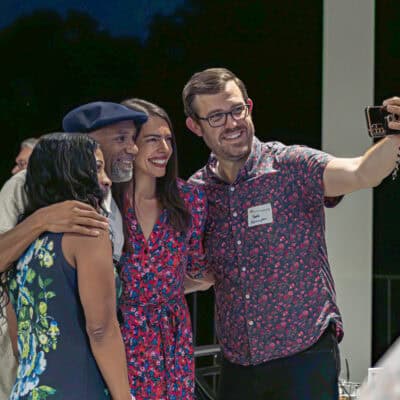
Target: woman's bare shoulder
74, 244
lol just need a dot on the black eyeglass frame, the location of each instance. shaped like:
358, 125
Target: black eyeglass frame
225, 114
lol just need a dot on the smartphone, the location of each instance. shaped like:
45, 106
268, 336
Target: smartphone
377, 121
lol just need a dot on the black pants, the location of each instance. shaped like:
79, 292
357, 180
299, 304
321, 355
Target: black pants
309, 375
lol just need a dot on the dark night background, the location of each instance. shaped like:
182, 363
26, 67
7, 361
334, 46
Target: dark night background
55, 59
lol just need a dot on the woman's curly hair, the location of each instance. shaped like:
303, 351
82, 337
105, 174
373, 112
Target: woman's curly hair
61, 167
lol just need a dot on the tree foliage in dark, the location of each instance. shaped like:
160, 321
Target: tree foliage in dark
51, 64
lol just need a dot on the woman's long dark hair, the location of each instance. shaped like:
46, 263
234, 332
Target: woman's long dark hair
166, 187
62, 167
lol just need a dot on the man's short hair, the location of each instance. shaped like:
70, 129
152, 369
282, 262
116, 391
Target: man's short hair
209, 81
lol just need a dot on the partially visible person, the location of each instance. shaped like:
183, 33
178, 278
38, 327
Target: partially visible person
384, 382
114, 127
63, 288
277, 318
8, 362
164, 221
25, 151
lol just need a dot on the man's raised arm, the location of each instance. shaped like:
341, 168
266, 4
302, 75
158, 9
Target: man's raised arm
346, 175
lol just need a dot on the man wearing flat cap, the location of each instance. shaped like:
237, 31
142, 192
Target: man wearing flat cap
114, 127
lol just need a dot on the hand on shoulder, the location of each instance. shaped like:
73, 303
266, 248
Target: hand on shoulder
72, 216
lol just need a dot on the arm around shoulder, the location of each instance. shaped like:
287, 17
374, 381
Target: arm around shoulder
68, 216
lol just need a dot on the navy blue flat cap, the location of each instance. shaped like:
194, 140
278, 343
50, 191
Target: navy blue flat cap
96, 115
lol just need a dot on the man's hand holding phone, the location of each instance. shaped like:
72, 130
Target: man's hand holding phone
393, 107
384, 120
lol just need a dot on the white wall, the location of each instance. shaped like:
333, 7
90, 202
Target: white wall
348, 79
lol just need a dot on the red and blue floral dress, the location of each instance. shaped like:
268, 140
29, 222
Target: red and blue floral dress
156, 329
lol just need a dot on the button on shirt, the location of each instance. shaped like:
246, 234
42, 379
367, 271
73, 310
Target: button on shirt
265, 242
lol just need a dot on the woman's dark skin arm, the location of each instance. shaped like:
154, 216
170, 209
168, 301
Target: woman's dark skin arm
96, 283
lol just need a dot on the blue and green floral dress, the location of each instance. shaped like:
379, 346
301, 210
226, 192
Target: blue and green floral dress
55, 359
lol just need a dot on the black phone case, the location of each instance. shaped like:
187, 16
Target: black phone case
377, 122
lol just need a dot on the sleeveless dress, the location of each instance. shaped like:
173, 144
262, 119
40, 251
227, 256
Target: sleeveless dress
55, 359
157, 330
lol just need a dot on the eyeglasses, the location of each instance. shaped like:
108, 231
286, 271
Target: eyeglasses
219, 118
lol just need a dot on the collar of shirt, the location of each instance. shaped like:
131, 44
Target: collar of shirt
116, 226
249, 170
107, 202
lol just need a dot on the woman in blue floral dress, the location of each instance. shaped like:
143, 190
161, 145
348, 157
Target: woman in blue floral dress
63, 288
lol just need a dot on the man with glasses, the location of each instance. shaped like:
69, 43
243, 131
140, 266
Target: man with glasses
276, 314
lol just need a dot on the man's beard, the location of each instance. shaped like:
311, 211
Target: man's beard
249, 135
119, 174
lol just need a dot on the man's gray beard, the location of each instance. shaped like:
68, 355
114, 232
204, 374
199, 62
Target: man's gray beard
119, 175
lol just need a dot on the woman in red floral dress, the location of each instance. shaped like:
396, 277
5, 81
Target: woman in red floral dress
164, 219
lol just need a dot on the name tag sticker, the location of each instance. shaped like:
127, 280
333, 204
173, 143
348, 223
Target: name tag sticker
260, 215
